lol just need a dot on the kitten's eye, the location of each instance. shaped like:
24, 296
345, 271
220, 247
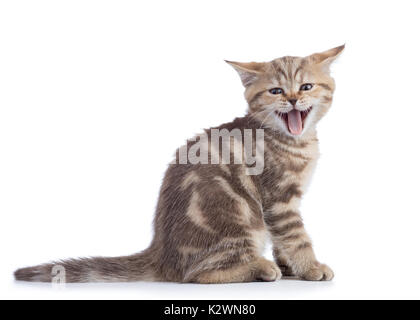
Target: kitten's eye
306, 87
276, 91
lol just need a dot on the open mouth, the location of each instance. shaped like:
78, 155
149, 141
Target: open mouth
294, 120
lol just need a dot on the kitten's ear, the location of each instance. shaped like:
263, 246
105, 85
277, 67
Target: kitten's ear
247, 71
327, 57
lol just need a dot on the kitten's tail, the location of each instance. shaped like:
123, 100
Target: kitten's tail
138, 267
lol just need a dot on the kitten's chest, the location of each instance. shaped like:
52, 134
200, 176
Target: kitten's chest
288, 171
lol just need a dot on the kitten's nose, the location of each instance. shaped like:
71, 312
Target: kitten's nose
293, 101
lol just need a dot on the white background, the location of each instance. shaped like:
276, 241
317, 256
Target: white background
95, 96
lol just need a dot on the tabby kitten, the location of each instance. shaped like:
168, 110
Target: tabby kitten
213, 219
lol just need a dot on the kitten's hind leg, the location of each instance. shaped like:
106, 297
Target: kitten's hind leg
259, 269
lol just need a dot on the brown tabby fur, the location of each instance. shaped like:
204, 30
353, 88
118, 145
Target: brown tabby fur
212, 220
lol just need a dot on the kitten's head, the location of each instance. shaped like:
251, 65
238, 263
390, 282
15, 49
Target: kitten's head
290, 94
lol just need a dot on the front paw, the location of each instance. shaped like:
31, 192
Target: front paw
319, 272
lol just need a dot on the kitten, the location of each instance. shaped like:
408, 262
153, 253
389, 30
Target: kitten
213, 217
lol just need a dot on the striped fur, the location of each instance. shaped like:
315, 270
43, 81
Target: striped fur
213, 220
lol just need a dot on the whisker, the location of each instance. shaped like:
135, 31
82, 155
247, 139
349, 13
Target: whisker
269, 114
271, 109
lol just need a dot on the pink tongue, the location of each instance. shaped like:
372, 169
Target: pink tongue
294, 121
